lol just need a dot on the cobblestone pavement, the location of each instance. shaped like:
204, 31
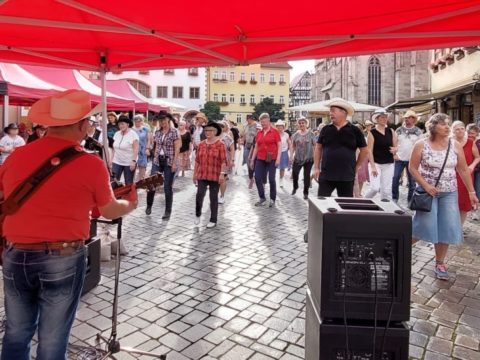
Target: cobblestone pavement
238, 291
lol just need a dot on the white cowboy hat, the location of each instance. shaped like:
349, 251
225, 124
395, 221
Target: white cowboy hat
65, 108
409, 113
302, 118
280, 123
343, 104
377, 113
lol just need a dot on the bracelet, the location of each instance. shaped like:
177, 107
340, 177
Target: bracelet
472, 192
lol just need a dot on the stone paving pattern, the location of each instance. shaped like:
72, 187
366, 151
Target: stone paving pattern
238, 291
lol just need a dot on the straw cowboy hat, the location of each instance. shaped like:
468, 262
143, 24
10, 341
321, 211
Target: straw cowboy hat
65, 108
302, 118
202, 116
409, 113
280, 123
342, 104
377, 113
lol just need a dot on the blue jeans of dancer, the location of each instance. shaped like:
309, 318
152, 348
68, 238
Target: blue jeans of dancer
42, 290
168, 177
262, 168
397, 174
128, 174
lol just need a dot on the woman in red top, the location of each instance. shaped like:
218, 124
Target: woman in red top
210, 170
473, 158
266, 158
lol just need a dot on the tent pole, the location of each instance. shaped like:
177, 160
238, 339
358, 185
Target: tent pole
103, 82
5, 110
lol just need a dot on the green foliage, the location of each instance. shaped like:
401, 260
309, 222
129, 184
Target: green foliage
212, 110
268, 106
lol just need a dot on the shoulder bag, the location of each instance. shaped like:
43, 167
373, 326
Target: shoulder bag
422, 200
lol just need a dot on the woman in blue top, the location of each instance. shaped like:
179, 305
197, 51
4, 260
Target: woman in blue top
144, 144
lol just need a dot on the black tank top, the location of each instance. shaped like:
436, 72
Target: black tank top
381, 146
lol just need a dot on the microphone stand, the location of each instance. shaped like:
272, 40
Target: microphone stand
112, 344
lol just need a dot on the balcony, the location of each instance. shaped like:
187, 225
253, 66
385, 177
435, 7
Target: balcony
272, 82
253, 82
243, 103
242, 81
223, 103
282, 82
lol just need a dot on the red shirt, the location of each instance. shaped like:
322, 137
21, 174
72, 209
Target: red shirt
209, 160
60, 208
267, 143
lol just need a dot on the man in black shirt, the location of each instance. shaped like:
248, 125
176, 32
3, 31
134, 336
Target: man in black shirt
335, 161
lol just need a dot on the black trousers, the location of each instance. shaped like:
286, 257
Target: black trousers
326, 187
307, 169
213, 187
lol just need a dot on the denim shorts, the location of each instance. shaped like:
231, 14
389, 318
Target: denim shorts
442, 224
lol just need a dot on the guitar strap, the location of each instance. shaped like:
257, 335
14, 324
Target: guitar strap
33, 182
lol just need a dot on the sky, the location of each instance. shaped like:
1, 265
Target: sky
300, 67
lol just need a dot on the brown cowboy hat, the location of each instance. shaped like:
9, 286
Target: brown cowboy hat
65, 108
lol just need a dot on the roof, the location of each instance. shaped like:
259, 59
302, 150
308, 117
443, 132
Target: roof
297, 78
283, 65
127, 35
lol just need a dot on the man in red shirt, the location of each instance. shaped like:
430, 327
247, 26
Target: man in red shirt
266, 158
210, 171
44, 259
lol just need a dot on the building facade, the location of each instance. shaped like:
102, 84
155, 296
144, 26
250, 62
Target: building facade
300, 93
186, 87
379, 79
455, 76
237, 89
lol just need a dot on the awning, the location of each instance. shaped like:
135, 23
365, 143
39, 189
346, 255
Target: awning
73, 79
129, 35
322, 107
124, 89
430, 98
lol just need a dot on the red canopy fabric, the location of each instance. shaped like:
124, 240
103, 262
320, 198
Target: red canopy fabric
24, 88
72, 79
92, 34
124, 89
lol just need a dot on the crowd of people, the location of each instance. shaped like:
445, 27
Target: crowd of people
341, 156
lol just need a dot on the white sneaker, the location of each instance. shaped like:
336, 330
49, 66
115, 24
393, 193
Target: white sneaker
474, 215
211, 225
281, 182
221, 200
197, 220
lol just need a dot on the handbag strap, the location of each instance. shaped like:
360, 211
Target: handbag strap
25, 189
444, 162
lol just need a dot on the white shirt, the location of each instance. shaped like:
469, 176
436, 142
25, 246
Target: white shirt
10, 144
123, 147
284, 137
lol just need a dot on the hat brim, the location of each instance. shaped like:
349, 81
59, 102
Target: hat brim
215, 126
40, 114
349, 109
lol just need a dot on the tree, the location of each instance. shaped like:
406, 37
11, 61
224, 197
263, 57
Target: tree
212, 110
267, 105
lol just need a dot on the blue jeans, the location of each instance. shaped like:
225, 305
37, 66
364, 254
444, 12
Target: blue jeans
397, 173
118, 170
42, 290
168, 177
476, 182
262, 168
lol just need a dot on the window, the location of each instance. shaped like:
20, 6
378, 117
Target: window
242, 76
177, 92
273, 98
262, 97
242, 99
252, 76
193, 71
232, 76
216, 75
282, 78
272, 78
374, 81
224, 97
282, 99
141, 87
168, 72
262, 78
252, 99
162, 91
194, 93
239, 118
232, 98
215, 97
224, 75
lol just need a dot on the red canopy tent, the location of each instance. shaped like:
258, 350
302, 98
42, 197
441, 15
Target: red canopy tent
124, 89
72, 79
91, 34
24, 88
